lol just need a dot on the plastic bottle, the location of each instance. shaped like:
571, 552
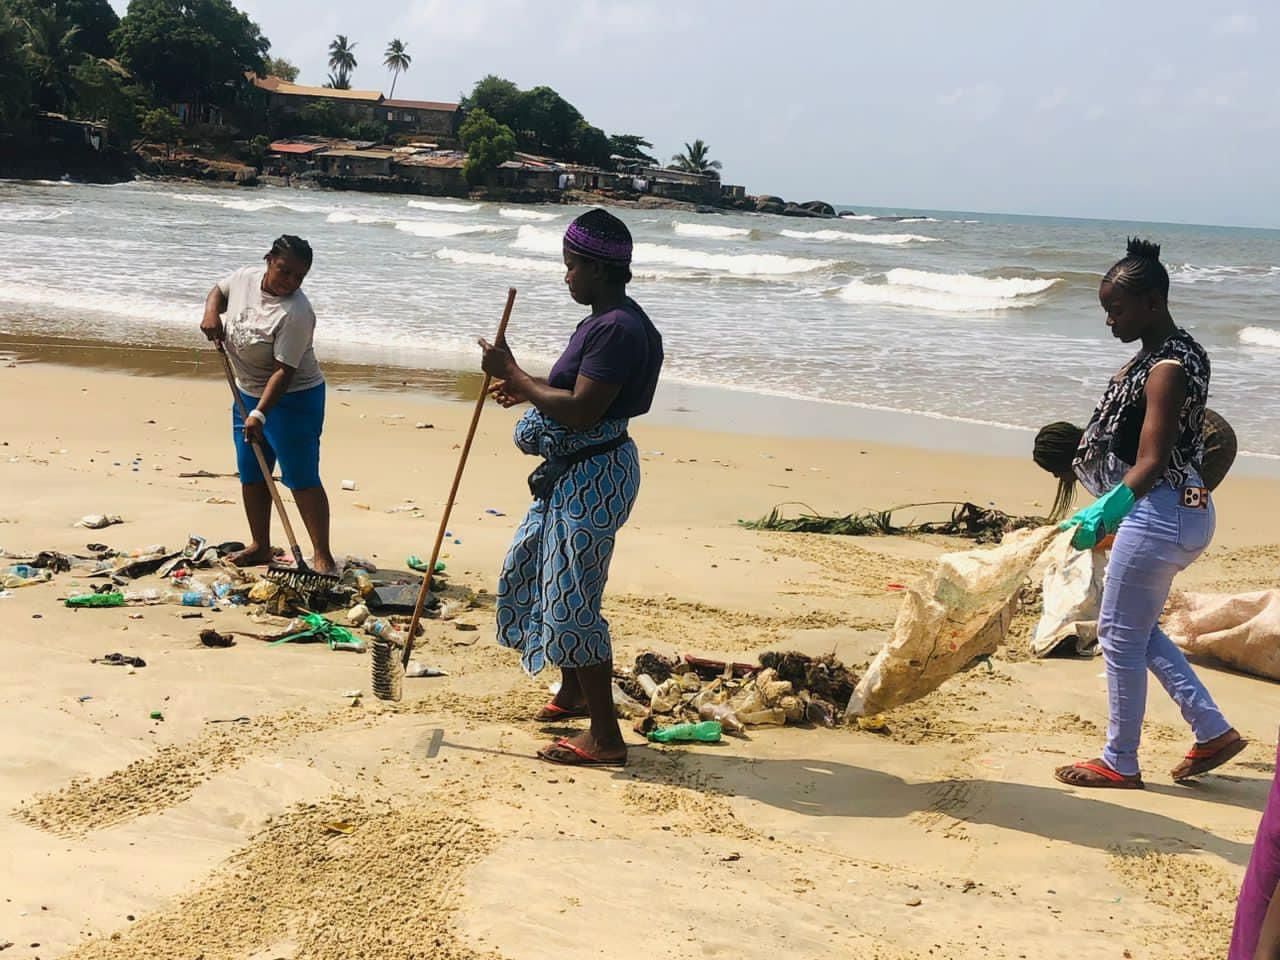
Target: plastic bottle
151, 595
363, 584
189, 598
384, 630
355, 645
708, 731
96, 600
723, 714
11, 581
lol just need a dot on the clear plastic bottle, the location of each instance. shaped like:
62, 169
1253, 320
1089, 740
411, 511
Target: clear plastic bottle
151, 595
12, 581
384, 630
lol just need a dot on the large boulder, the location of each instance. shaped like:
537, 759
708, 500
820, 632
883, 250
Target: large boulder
796, 210
768, 204
820, 207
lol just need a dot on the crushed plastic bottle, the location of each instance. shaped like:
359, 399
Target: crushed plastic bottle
708, 731
96, 600
22, 575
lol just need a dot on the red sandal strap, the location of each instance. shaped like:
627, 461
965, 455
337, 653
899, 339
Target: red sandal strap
1105, 772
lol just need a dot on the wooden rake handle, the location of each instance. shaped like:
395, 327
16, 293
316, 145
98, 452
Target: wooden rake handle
453, 490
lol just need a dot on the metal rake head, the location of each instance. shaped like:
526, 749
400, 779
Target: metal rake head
387, 669
302, 581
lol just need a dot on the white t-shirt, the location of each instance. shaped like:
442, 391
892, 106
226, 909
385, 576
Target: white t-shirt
262, 328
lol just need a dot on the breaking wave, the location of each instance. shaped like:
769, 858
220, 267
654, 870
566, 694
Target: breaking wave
1189, 273
708, 230
445, 207
1260, 337
30, 214
846, 236
513, 214
476, 259
436, 230
949, 292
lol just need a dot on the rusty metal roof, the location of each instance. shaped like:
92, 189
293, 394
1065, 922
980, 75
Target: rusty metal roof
421, 105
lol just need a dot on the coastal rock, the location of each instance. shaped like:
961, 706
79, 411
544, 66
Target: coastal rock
796, 210
768, 204
820, 207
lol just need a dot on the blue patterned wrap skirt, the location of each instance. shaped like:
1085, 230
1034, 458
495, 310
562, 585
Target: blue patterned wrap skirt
554, 574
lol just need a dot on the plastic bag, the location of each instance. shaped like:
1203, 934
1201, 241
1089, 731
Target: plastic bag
962, 612
1072, 596
1241, 630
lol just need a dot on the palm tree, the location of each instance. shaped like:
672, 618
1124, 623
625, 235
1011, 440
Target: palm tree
342, 60
694, 160
397, 62
52, 53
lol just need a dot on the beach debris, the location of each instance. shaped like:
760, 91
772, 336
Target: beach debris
24, 575
494, 513
421, 425
784, 688
110, 599
348, 485
339, 826
416, 669
96, 521
414, 562
120, 660
212, 638
221, 501
157, 715
205, 475
357, 615
314, 628
980, 524
1238, 630
706, 731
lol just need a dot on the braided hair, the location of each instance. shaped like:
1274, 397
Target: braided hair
1055, 451
1140, 271
288, 244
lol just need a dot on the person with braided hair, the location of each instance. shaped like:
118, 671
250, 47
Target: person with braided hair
1056, 445
1142, 455
553, 578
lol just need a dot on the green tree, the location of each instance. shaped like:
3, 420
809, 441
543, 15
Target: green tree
497, 97
15, 83
397, 62
589, 145
104, 94
190, 49
94, 18
633, 147
342, 60
488, 143
281, 68
161, 126
547, 122
694, 160
52, 54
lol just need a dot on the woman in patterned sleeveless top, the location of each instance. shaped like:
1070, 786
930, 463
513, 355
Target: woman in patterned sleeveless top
1141, 455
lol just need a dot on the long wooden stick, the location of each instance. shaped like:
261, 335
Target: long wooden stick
425, 589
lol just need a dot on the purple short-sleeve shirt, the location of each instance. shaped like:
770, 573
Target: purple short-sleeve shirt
620, 346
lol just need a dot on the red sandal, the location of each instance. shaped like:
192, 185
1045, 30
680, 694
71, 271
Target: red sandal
1203, 758
552, 712
1109, 778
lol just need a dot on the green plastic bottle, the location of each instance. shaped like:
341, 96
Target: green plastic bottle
708, 731
96, 600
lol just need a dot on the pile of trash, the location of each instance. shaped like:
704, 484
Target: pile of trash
201, 576
783, 688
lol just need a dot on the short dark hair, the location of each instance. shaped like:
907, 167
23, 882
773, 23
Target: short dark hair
1140, 270
293, 246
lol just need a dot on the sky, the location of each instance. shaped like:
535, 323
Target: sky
1164, 111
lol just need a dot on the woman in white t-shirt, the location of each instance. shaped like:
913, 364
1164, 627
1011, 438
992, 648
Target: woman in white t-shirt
266, 325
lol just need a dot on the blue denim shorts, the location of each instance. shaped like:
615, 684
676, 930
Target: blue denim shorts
292, 435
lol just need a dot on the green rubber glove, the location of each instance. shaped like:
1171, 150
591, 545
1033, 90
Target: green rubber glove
1100, 518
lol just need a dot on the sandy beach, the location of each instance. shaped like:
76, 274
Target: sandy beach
317, 829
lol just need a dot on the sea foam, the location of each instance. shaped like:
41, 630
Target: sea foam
949, 292
847, 236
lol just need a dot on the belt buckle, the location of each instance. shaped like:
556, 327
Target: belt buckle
1195, 498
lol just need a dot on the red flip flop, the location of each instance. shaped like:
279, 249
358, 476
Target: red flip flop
1204, 759
552, 712
1110, 779
575, 756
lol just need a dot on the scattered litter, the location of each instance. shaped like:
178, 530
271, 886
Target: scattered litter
339, 826
96, 521
84, 699
111, 599
157, 715
424, 426
494, 513
707, 731
223, 501
230, 720
416, 669
120, 660
348, 484
212, 638
465, 627
414, 562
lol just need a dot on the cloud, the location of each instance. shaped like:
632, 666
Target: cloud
1236, 25
1055, 98
982, 99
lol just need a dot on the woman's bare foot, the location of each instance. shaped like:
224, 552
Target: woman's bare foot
252, 556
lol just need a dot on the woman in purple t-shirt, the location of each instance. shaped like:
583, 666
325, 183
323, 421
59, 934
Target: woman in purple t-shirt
554, 575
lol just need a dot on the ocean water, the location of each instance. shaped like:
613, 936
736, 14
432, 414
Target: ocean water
965, 316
